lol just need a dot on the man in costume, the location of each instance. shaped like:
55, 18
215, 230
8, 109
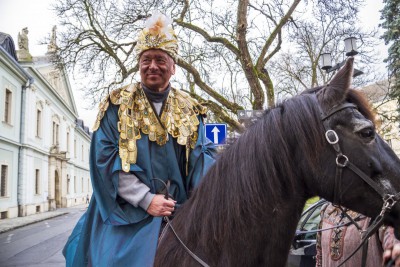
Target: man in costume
148, 138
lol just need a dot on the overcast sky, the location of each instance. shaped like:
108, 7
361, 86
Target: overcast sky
39, 18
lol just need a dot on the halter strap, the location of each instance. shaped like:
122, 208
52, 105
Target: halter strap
341, 162
366, 178
336, 109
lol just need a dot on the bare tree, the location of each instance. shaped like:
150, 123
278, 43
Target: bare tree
226, 47
385, 107
297, 67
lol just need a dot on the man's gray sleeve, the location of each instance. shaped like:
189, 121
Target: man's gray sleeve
134, 191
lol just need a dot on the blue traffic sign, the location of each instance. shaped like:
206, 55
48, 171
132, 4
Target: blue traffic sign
216, 132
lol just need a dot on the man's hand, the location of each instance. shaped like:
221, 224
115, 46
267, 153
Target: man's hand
160, 206
392, 254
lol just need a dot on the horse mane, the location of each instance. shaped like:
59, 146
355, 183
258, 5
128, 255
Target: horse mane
237, 185
232, 188
238, 192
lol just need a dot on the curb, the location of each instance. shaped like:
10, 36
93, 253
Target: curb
6, 229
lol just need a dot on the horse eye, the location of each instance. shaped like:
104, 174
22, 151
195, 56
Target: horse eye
367, 133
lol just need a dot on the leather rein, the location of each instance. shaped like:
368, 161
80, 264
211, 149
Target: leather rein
342, 162
169, 225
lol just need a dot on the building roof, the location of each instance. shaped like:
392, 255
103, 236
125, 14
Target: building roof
377, 92
7, 43
11, 62
80, 124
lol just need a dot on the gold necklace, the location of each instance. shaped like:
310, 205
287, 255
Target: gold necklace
136, 116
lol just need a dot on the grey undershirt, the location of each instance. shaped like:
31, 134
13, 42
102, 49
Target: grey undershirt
131, 188
134, 191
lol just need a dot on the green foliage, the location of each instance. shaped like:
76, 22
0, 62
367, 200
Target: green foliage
310, 202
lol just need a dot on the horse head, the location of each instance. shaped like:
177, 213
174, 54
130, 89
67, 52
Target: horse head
362, 169
245, 210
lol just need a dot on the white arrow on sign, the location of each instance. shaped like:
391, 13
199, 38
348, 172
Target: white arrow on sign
215, 131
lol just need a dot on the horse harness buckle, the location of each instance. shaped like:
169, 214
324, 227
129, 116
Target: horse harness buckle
388, 203
331, 134
344, 162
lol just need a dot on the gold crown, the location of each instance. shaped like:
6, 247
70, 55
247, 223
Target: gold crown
157, 34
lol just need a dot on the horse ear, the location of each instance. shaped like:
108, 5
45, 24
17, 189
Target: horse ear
336, 90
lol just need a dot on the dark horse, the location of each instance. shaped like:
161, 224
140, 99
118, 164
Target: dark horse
245, 211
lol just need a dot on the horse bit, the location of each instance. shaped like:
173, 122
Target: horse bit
342, 161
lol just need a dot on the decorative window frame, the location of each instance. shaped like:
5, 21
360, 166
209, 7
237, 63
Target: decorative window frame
8, 117
39, 121
56, 129
38, 180
7, 180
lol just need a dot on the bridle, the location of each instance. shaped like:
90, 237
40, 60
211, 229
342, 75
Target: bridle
342, 162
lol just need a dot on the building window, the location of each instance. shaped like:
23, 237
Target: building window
38, 123
55, 133
67, 141
75, 184
7, 106
37, 182
74, 148
82, 185
68, 183
3, 180
54, 128
83, 158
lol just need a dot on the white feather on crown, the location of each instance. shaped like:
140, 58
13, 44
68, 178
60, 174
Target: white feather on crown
157, 34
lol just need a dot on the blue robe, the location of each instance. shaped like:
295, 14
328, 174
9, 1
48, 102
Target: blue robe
113, 232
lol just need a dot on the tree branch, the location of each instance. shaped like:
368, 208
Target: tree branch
219, 112
209, 38
261, 61
233, 107
245, 57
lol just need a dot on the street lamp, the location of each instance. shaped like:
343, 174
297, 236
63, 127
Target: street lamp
350, 46
326, 61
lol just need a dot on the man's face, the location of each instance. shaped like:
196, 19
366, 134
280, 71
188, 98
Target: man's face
156, 68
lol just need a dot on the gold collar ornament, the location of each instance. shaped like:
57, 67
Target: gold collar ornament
136, 116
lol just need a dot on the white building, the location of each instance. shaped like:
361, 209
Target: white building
387, 112
44, 147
